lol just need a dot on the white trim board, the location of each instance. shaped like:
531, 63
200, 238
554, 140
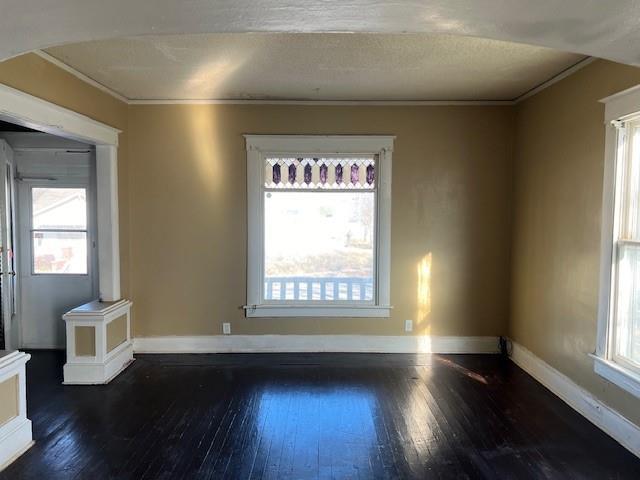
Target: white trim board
15, 443
33, 112
385, 103
608, 420
315, 343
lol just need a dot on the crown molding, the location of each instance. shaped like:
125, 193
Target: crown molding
372, 103
80, 75
555, 79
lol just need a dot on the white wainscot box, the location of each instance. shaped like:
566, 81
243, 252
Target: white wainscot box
15, 428
99, 344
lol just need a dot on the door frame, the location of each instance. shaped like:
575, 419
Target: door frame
29, 111
8, 296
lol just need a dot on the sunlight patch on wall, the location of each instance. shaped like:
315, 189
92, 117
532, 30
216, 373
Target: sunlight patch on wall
208, 77
205, 153
424, 292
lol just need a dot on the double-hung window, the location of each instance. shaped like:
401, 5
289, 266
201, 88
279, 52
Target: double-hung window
318, 225
59, 232
618, 350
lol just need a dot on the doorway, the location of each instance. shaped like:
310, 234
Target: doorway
34, 115
55, 228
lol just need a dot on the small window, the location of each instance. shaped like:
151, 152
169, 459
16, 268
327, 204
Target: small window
319, 226
59, 230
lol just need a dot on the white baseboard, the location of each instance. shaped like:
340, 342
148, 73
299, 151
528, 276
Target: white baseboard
611, 422
315, 343
98, 373
15, 442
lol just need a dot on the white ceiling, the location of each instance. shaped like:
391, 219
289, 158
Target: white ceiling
312, 66
599, 28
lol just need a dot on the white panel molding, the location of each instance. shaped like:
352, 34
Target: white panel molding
608, 420
17, 441
99, 374
33, 112
104, 365
315, 344
15, 434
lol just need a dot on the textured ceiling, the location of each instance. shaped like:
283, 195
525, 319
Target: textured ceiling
314, 66
598, 28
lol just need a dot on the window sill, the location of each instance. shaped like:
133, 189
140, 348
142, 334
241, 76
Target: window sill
369, 311
618, 375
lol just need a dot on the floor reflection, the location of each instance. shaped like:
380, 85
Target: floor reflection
307, 427
309, 416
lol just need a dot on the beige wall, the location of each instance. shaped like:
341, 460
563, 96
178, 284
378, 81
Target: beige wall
116, 332
556, 232
451, 188
183, 212
85, 341
9, 407
34, 75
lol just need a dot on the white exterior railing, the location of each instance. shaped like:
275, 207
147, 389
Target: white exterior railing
318, 288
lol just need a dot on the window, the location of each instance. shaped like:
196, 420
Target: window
625, 341
318, 211
59, 230
617, 355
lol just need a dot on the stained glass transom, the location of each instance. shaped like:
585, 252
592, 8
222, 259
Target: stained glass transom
320, 173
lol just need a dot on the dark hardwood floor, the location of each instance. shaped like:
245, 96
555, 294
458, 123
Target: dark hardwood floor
300, 416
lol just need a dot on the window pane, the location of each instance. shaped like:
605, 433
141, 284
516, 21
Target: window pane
59, 208
628, 303
319, 246
60, 252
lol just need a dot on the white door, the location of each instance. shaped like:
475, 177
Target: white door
8, 332
57, 258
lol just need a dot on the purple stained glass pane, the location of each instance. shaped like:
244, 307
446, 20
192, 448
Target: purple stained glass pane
338, 174
307, 173
324, 170
354, 174
277, 176
292, 173
371, 174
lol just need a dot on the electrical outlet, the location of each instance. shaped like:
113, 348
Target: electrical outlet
408, 325
226, 328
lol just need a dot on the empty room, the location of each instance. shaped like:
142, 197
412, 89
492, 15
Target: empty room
319, 240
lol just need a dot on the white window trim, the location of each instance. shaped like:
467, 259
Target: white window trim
257, 147
620, 106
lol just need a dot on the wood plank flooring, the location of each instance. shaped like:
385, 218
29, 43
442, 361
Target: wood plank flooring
302, 416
